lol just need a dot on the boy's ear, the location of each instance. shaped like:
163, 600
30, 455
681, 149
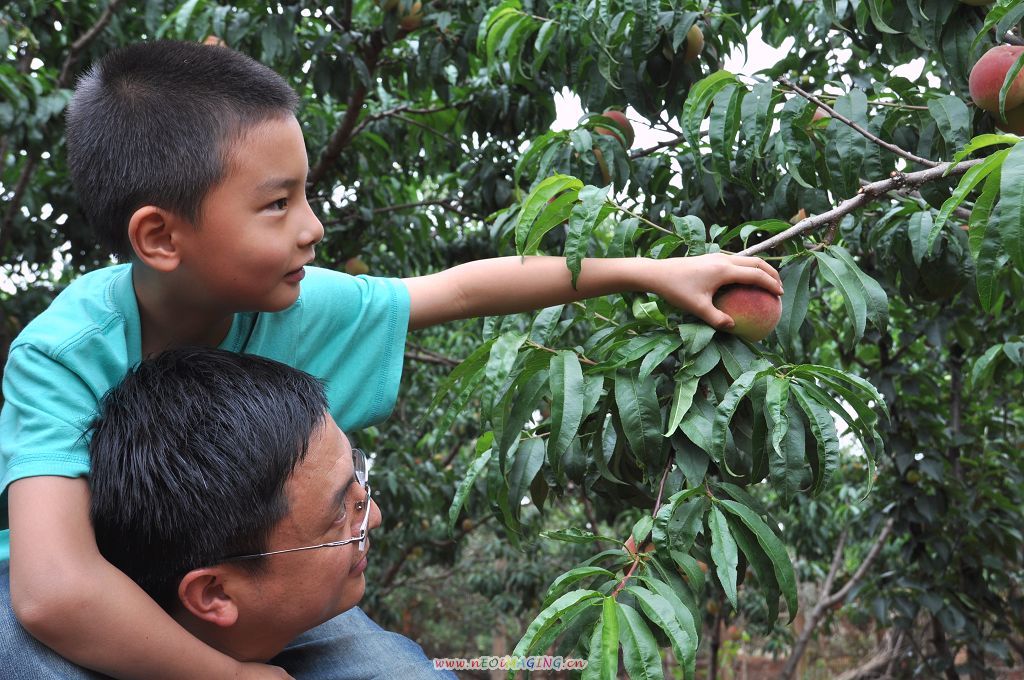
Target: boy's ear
151, 231
202, 593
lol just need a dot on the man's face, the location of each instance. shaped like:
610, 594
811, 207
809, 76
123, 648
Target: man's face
256, 230
299, 590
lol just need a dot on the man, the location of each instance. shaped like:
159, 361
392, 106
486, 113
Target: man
223, 487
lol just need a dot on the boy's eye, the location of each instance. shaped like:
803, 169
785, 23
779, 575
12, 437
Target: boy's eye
280, 204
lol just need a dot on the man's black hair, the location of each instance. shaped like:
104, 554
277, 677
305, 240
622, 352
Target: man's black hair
154, 123
190, 454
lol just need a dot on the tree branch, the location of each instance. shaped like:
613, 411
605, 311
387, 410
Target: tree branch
867, 194
394, 112
843, 119
79, 45
828, 600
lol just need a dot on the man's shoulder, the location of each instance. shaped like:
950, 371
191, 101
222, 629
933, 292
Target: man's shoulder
89, 306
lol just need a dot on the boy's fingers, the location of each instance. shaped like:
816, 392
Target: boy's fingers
759, 264
759, 277
715, 317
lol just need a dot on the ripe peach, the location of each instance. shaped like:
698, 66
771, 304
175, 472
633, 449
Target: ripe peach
622, 123
755, 310
694, 44
987, 78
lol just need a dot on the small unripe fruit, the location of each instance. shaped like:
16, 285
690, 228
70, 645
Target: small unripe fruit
755, 311
988, 75
621, 122
694, 44
820, 113
355, 266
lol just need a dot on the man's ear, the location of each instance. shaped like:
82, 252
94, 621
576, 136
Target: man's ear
152, 233
202, 593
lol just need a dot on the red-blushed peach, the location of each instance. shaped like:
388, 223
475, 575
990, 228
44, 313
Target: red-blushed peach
755, 311
621, 122
988, 75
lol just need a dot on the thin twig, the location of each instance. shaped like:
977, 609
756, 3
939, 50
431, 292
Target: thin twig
899, 151
79, 45
394, 112
583, 359
867, 194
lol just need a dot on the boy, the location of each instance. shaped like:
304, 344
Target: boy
259, 530
190, 163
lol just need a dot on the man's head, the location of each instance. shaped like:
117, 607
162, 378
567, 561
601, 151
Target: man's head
155, 123
200, 456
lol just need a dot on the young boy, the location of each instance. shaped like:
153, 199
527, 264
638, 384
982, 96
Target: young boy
189, 162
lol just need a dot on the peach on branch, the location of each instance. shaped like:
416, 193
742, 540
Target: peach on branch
410, 18
355, 266
621, 122
755, 311
988, 75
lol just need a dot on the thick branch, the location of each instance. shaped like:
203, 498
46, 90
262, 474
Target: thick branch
829, 600
867, 194
843, 119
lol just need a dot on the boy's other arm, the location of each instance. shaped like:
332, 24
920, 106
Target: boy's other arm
507, 285
71, 599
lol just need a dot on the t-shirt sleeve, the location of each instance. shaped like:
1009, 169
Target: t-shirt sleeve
353, 338
47, 409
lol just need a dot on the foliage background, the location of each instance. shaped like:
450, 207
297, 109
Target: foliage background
431, 147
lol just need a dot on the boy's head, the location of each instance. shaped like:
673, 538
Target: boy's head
201, 456
156, 123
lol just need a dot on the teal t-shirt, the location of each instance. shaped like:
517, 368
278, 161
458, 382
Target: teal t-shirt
348, 331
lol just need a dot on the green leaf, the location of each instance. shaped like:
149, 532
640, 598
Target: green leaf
984, 366
575, 536
557, 615
501, 358
592, 208
967, 183
852, 290
919, 230
696, 336
814, 370
979, 222
558, 586
981, 142
640, 416
642, 529
699, 100
1000, 18
824, 430
1011, 75
639, 649
682, 529
773, 548
661, 351
469, 366
528, 461
776, 398
674, 593
876, 299
661, 612
953, 118
786, 466
761, 564
796, 279
682, 399
535, 203
875, 9
464, 488
566, 380
1009, 214
727, 409
603, 661
723, 553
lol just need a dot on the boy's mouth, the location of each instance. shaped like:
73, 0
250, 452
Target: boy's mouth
295, 275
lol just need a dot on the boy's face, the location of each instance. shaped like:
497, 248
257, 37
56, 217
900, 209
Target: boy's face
256, 231
299, 590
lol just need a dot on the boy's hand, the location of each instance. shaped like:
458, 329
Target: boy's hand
690, 283
260, 671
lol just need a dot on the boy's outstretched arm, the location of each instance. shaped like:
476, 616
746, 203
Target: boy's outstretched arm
74, 601
507, 285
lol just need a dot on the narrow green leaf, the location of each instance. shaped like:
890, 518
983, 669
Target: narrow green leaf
639, 648
796, 279
773, 547
984, 366
640, 415
696, 336
850, 287
761, 564
967, 183
776, 398
979, 222
674, 593
727, 409
603, 660
682, 399
953, 118
824, 430
592, 208
981, 142
723, 553
699, 100
1009, 214
566, 381
875, 298
535, 203
786, 467
1011, 76
875, 9
557, 614
663, 615
465, 486
528, 461
559, 585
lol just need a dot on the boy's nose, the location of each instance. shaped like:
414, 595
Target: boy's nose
312, 232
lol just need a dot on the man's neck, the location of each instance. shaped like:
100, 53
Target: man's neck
236, 641
169, 319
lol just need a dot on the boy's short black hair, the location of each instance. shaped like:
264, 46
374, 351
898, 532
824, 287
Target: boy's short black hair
190, 454
153, 124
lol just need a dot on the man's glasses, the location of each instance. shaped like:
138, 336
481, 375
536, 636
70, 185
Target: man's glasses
363, 506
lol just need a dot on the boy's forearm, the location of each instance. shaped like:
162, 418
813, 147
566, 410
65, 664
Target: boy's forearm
507, 285
103, 621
